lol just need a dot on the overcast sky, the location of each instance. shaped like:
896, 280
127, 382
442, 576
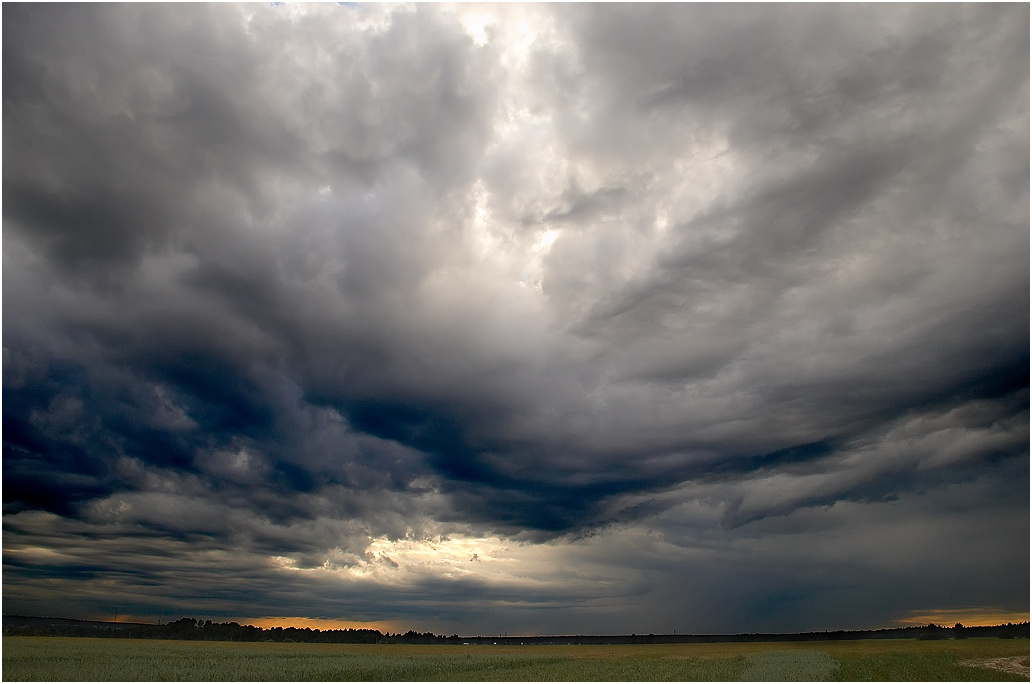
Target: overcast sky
528, 318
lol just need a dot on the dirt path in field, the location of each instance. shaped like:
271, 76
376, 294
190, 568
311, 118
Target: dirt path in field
1014, 664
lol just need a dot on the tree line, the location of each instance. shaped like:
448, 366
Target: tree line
206, 630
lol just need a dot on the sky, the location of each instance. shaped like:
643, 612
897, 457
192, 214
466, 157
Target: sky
517, 318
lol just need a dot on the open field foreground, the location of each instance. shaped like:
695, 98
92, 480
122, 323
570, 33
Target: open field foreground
81, 659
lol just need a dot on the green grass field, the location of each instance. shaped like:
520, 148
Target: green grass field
73, 659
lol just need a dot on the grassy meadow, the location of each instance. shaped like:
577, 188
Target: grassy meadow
83, 659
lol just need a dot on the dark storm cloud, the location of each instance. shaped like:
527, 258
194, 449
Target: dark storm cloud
287, 281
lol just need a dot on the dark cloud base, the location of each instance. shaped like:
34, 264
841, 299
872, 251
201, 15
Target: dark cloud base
659, 292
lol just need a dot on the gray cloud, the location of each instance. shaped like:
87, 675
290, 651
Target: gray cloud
309, 290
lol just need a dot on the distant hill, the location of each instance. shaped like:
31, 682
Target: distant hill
206, 630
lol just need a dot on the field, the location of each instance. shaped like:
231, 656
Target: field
80, 659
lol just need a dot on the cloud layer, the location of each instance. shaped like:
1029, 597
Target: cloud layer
306, 308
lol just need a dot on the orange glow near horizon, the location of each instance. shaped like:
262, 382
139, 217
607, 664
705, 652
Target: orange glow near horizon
969, 617
314, 623
263, 622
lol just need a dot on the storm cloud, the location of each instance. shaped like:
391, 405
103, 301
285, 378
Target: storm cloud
527, 317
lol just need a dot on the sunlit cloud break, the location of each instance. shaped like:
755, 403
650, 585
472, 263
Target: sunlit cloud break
524, 318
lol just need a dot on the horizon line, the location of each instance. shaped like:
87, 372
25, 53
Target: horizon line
507, 637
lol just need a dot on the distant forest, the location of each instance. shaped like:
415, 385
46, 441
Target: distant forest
206, 630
